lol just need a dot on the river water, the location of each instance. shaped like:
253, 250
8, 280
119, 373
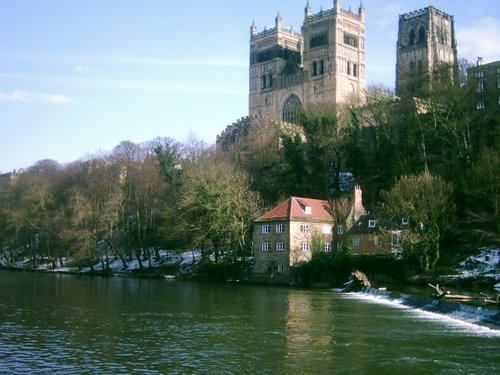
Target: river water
71, 324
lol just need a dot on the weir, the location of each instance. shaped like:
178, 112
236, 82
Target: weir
481, 315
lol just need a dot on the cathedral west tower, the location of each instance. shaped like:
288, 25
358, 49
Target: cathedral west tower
324, 63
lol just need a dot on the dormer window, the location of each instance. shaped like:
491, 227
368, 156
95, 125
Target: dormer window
371, 223
405, 221
308, 210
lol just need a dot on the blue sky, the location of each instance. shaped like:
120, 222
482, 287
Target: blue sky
77, 77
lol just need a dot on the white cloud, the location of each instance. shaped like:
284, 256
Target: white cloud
19, 96
82, 68
122, 60
129, 85
481, 39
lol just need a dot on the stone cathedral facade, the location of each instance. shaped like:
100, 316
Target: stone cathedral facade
324, 63
290, 70
426, 40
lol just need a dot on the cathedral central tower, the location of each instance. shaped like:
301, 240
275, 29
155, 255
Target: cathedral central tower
426, 44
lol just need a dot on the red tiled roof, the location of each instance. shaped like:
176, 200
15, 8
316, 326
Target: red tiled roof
295, 208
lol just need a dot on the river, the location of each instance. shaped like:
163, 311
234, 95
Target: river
68, 324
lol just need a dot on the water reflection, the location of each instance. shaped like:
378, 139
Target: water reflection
309, 331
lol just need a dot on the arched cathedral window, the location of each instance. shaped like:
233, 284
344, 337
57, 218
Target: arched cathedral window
291, 109
421, 34
412, 36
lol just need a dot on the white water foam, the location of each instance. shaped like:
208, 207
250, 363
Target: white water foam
450, 321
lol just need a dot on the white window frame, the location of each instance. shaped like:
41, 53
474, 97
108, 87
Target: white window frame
280, 228
340, 229
405, 221
396, 238
481, 86
327, 247
339, 246
305, 246
327, 229
371, 223
280, 246
266, 229
264, 246
376, 241
280, 268
356, 241
480, 104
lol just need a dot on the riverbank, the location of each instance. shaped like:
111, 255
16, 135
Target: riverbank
475, 272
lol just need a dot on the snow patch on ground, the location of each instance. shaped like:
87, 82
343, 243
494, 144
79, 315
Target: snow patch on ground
185, 260
484, 264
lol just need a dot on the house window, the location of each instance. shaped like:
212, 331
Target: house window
280, 228
480, 74
281, 268
327, 229
405, 221
339, 246
376, 241
498, 82
396, 238
266, 228
305, 228
356, 242
340, 229
328, 247
280, 246
355, 70
304, 246
264, 246
481, 86
371, 223
480, 104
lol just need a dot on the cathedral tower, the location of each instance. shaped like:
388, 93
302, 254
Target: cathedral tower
426, 41
324, 63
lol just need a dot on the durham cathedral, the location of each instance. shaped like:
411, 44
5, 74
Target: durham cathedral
325, 63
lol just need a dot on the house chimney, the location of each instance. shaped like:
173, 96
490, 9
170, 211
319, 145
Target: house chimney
479, 61
359, 210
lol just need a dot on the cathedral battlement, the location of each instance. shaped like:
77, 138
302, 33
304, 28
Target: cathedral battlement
424, 11
274, 31
415, 13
